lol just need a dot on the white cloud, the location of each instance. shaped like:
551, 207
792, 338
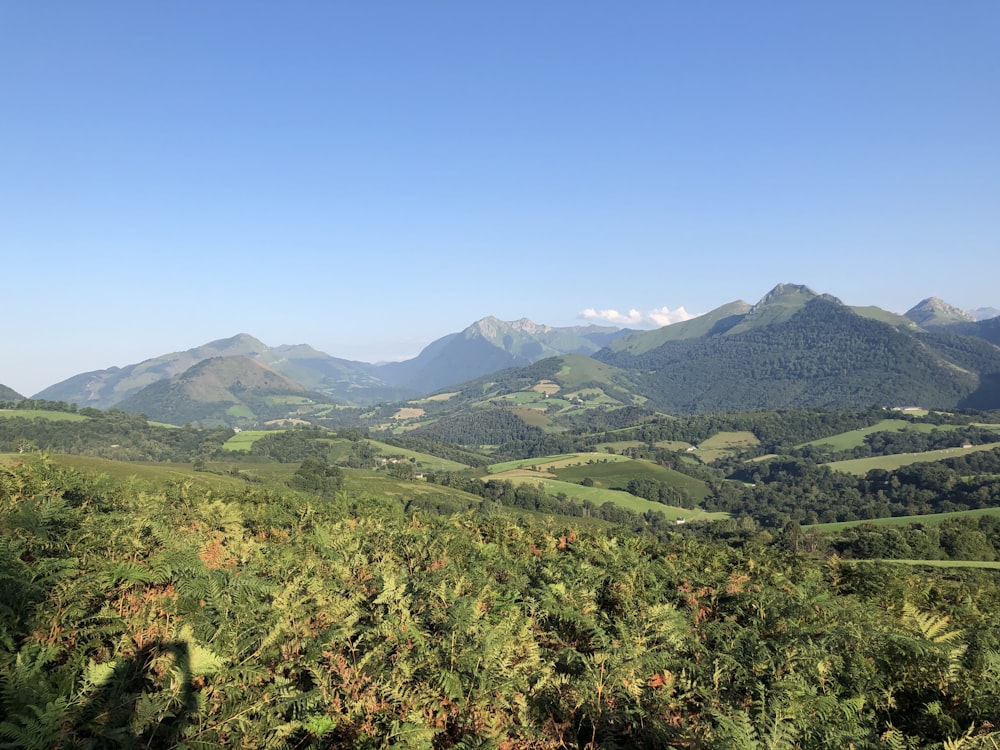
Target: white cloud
655, 318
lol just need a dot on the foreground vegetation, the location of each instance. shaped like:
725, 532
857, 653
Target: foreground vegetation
306, 587
178, 615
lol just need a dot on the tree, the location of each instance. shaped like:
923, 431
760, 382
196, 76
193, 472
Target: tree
317, 476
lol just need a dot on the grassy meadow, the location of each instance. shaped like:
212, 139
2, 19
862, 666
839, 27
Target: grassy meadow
861, 466
928, 519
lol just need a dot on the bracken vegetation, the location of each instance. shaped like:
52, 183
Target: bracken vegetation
136, 615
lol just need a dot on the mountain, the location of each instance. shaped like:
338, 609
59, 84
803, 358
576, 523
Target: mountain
547, 397
103, 389
343, 380
338, 379
486, 346
489, 345
9, 394
799, 348
934, 313
794, 347
222, 390
985, 313
938, 316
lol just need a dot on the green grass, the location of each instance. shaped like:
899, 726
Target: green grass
243, 441
599, 496
620, 446
618, 473
288, 399
861, 466
524, 398
55, 416
929, 519
423, 460
528, 462
854, 438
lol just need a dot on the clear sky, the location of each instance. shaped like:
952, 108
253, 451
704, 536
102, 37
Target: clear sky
368, 177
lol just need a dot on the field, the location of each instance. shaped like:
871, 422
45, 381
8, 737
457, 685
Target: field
599, 496
724, 444
423, 460
861, 466
618, 473
854, 438
243, 441
547, 462
610, 473
408, 412
929, 519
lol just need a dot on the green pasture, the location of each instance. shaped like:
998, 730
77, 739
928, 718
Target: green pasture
599, 496
423, 460
288, 399
55, 416
593, 396
529, 462
671, 445
853, 438
861, 466
621, 446
525, 398
618, 473
929, 519
243, 441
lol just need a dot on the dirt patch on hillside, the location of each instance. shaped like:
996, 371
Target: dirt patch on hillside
408, 412
545, 386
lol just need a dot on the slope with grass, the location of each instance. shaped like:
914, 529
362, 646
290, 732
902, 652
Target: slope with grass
861, 466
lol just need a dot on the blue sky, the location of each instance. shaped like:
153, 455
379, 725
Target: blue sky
368, 177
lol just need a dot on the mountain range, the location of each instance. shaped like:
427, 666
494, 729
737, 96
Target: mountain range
794, 347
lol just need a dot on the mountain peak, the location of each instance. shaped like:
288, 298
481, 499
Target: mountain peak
796, 294
778, 305
492, 327
528, 326
934, 311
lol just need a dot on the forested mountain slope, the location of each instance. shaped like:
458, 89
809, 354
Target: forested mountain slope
220, 390
820, 353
